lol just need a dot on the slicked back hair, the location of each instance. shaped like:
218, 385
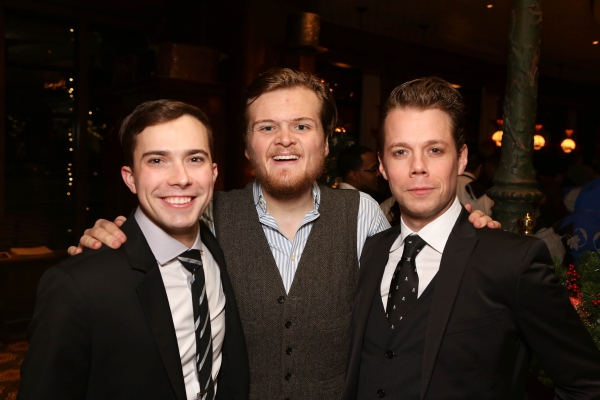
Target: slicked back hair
425, 94
285, 78
153, 113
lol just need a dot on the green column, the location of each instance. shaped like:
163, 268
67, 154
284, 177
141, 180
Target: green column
515, 190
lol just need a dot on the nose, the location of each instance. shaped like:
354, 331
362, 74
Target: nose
179, 175
418, 166
285, 137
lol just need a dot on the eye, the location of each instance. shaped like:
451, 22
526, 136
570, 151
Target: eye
436, 150
399, 152
197, 159
267, 128
154, 161
303, 127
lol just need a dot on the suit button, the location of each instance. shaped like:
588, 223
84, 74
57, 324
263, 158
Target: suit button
281, 299
288, 376
288, 324
380, 393
288, 351
389, 354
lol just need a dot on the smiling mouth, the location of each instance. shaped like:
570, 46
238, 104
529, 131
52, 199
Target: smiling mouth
178, 200
286, 158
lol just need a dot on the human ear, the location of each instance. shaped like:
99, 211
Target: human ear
127, 175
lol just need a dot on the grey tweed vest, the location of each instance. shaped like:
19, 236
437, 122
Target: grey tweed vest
297, 343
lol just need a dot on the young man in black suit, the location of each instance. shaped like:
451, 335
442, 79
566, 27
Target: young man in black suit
443, 310
157, 318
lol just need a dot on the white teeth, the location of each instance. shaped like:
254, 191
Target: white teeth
279, 158
178, 200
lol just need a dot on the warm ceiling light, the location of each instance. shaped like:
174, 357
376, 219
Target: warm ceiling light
538, 142
595, 42
568, 145
490, 6
539, 127
342, 65
497, 137
455, 86
568, 132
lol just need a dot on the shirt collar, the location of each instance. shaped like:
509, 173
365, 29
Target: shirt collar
261, 203
164, 246
436, 232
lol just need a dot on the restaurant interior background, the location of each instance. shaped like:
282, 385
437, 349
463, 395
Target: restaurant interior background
71, 70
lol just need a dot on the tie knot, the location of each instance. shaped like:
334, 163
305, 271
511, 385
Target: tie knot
412, 246
190, 259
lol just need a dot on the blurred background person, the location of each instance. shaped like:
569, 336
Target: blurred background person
468, 188
359, 169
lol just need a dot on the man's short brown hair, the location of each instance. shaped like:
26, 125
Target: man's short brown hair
153, 113
425, 94
285, 78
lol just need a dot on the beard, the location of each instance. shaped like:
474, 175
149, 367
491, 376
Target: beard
287, 184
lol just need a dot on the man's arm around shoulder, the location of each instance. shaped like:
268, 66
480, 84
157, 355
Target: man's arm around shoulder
58, 359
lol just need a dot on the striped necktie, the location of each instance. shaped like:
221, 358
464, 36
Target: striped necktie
192, 261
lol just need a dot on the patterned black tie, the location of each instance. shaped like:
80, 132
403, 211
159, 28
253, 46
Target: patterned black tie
405, 281
192, 261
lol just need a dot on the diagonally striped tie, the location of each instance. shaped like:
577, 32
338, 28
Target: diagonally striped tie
192, 261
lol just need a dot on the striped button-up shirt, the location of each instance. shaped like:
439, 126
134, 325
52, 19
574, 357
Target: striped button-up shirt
286, 252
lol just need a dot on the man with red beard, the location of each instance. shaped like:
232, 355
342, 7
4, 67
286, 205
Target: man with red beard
294, 269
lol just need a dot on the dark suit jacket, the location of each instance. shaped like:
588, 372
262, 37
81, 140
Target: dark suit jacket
102, 329
496, 301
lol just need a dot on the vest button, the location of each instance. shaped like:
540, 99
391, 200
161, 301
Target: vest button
389, 354
380, 393
281, 299
288, 376
288, 324
288, 351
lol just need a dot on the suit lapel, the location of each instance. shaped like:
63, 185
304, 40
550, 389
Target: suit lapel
372, 273
155, 303
456, 254
368, 284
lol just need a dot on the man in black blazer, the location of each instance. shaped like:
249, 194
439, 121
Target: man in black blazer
121, 324
461, 316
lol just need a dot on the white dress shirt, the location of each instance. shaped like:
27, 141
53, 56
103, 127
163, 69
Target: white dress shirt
435, 234
177, 281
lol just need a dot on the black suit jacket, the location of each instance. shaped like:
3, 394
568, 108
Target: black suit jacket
102, 329
496, 301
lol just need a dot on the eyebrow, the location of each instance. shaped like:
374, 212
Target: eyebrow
427, 143
262, 121
166, 153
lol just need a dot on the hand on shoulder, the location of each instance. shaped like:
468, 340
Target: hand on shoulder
103, 232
